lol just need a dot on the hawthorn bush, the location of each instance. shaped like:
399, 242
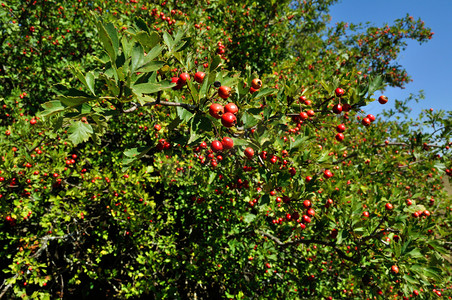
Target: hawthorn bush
215, 149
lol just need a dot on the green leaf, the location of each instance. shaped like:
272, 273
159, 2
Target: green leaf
150, 88
174, 123
375, 85
169, 42
73, 101
148, 41
179, 35
197, 125
201, 123
113, 34
193, 90
89, 78
137, 153
248, 120
441, 167
212, 176
107, 41
58, 124
63, 90
77, 73
339, 237
216, 61
184, 114
141, 24
153, 53
51, 107
79, 132
264, 92
127, 45
137, 57
248, 218
240, 142
415, 253
439, 248
151, 66
208, 79
298, 141
410, 279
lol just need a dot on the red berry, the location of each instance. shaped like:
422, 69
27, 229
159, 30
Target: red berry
231, 107
303, 116
224, 92
216, 146
337, 109
199, 76
327, 174
256, 83
307, 203
306, 219
340, 137
383, 99
216, 110
371, 117
395, 269
228, 120
346, 107
184, 77
389, 206
366, 121
249, 152
340, 128
339, 92
179, 83
227, 142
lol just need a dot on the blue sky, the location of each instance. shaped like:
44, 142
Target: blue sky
429, 64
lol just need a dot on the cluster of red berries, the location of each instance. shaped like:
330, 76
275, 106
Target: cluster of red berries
71, 160
163, 145
216, 146
368, 120
180, 81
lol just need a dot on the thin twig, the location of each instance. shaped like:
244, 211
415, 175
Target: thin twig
135, 106
311, 241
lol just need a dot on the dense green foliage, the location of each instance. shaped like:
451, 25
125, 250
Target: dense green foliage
109, 185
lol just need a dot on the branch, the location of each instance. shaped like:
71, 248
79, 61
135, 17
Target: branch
404, 144
311, 241
376, 235
345, 158
6, 288
45, 240
135, 106
411, 163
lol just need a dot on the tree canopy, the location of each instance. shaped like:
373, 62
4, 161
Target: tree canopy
215, 149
